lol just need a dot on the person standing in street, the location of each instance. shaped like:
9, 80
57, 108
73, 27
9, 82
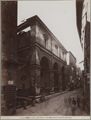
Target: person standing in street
73, 107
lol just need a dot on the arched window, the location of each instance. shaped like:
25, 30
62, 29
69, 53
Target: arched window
45, 38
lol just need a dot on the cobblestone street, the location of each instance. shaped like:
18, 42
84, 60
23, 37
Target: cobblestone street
54, 106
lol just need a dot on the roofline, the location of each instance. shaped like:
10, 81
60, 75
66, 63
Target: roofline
31, 21
72, 54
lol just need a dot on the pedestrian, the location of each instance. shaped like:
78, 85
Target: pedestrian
42, 98
73, 101
73, 107
78, 101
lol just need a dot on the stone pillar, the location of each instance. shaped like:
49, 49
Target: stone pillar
35, 70
35, 78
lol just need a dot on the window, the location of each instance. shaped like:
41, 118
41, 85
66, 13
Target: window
56, 46
45, 38
56, 50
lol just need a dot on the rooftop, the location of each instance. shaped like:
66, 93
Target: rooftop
31, 21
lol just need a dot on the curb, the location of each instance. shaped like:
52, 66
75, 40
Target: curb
52, 95
55, 94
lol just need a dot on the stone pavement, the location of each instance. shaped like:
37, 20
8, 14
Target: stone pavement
56, 106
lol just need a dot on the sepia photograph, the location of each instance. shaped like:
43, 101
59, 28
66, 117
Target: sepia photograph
45, 59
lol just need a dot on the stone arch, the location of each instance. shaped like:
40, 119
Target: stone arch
44, 74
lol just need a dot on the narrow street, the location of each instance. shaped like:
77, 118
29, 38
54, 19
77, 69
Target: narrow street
57, 105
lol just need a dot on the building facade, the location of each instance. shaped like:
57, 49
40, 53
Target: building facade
85, 43
85, 35
83, 24
8, 52
41, 56
8, 43
85, 39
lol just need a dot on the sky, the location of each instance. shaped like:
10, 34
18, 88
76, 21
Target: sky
60, 18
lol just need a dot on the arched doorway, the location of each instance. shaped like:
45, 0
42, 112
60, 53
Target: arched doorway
56, 77
44, 75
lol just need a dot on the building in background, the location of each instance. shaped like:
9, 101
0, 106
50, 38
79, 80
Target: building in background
85, 36
71, 68
83, 23
78, 77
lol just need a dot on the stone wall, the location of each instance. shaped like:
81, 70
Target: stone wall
44, 38
41, 65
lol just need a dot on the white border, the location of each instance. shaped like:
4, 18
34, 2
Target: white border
45, 117
37, 117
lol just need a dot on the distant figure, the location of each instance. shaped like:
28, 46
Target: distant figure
42, 98
73, 101
73, 106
